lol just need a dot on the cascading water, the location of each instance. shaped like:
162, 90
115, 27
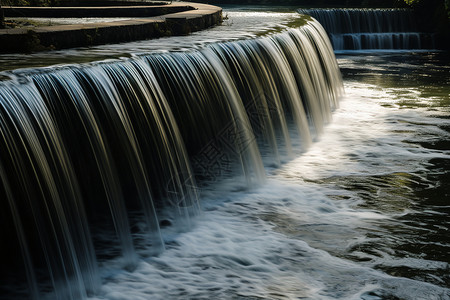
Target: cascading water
362, 29
94, 159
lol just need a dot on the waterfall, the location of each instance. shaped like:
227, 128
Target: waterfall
361, 29
95, 158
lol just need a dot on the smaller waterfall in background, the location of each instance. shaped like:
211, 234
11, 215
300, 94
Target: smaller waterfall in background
363, 29
95, 158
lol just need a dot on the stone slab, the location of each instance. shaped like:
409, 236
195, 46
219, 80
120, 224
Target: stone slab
198, 17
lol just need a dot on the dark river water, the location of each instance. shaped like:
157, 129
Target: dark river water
364, 213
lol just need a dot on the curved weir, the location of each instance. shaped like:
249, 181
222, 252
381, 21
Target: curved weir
362, 29
95, 158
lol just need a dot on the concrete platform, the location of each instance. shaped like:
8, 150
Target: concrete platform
193, 17
92, 12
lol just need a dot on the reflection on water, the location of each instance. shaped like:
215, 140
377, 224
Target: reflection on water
420, 79
392, 157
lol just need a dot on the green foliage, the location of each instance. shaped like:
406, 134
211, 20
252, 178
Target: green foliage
29, 2
447, 7
2, 17
411, 2
430, 5
434, 16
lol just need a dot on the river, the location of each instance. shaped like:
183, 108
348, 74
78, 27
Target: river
363, 213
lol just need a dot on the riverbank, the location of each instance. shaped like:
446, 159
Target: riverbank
146, 22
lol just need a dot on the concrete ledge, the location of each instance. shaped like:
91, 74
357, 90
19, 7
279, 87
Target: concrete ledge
92, 12
199, 17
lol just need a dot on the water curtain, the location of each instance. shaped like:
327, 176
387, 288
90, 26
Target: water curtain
95, 159
362, 29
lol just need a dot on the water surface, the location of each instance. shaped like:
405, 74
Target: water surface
362, 214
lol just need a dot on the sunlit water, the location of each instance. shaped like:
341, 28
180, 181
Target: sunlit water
363, 214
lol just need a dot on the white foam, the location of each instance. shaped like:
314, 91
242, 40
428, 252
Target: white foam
293, 237
253, 246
